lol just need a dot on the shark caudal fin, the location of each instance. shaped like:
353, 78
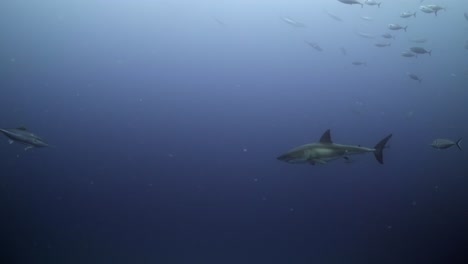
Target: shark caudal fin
378, 153
458, 144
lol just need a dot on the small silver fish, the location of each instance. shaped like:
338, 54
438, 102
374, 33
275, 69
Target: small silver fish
344, 51
365, 35
334, 17
436, 8
407, 14
396, 27
359, 63
314, 45
351, 2
408, 54
426, 9
381, 45
372, 3
388, 36
293, 22
420, 50
414, 77
442, 143
418, 40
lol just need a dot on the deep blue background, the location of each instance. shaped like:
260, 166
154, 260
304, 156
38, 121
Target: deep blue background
166, 126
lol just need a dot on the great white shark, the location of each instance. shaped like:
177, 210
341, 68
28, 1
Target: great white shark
325, 150
22, 135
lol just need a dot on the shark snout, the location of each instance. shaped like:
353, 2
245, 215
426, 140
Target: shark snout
284, 157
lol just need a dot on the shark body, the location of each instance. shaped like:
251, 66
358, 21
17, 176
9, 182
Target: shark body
22, 135
325, 150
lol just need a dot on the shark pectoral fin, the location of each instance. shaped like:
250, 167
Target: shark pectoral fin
11, 141
320, 161
28, 147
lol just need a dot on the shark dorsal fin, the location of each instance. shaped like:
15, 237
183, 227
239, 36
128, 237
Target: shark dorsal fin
21, 128
326, 137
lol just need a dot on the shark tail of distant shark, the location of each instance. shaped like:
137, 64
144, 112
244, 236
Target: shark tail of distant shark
459, 144
378, 153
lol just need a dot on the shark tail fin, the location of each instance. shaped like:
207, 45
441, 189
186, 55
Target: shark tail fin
378, 153
459, 144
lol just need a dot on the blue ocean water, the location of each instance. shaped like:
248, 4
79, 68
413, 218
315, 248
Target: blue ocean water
165, 119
